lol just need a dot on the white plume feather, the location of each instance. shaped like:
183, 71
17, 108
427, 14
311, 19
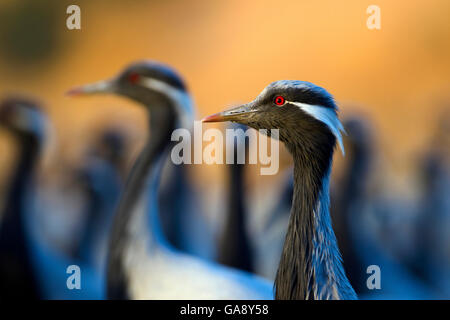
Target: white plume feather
327, 116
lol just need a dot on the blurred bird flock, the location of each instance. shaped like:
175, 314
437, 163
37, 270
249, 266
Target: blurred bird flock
64, 162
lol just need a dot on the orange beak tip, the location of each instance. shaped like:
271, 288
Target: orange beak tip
217, 117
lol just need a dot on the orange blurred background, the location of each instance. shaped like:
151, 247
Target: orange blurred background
228, 51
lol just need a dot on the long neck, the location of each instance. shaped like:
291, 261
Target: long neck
28, 153
102, 189
16, 270
310, 265
131, 222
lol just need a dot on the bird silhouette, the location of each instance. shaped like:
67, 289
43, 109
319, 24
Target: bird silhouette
235, 248
432, 256
355, 208
100, 176
141, 263
350, 193
307, 122
33, 266
26, 122
269, 239
182, 218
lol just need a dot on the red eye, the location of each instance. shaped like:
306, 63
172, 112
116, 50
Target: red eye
279, 100
133, 78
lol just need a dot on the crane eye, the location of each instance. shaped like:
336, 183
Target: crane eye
279, 100
133, 78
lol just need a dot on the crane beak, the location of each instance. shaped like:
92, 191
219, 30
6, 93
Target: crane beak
97, 87
236, 114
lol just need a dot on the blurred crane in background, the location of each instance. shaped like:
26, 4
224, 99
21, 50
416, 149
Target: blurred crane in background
360, 221
269, 239
182, 217
101, 177
235, 247
27, 123
38, 242
141, 263
431, 259
349, 194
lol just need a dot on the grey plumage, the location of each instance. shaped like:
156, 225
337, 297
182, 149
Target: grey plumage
310, 265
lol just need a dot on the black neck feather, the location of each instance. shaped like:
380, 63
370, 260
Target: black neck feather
312, 160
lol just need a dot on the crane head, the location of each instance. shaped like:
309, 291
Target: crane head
151, 83
301, 111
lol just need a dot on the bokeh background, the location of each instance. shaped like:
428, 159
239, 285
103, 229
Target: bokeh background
228, 51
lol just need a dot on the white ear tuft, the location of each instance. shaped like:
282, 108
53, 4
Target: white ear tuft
326, 115
181, 99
